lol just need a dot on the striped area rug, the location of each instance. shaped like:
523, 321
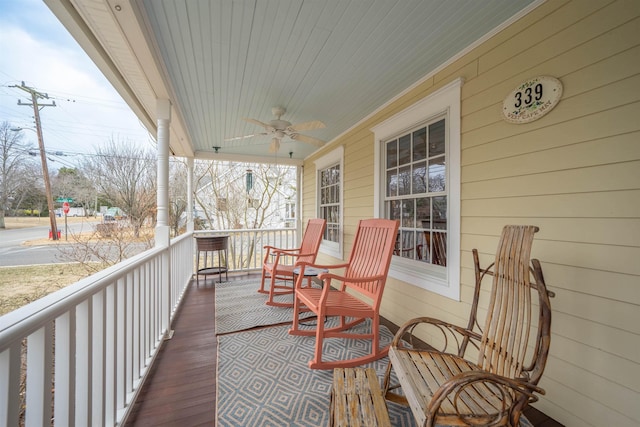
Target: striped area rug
239, 306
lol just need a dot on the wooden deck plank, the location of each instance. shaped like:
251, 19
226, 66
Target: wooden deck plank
181, 387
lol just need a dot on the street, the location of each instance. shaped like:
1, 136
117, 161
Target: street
13, 252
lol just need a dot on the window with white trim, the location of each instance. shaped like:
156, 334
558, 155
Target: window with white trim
418, 183
329, 200
416, 192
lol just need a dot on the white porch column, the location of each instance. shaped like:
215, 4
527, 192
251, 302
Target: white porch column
190, 219
299, 198
162, 224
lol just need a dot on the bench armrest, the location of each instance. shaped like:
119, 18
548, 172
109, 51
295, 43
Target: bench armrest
406, 334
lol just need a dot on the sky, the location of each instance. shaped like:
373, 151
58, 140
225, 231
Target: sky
36, 49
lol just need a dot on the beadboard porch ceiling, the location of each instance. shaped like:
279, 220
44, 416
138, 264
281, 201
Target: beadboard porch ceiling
220, 61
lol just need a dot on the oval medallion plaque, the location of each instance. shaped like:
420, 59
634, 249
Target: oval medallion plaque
532, 99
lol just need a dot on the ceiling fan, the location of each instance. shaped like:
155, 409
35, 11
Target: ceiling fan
278, 129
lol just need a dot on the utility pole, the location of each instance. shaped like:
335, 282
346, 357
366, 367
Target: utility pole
35, 96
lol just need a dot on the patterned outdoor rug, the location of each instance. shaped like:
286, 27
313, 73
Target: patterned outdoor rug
263, 379
239, 306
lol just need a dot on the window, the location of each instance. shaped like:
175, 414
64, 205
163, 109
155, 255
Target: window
417, 181
290, 210
415, 191
329, 200
290, 214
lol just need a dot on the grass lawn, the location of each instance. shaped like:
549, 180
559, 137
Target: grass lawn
23, 284
12, 222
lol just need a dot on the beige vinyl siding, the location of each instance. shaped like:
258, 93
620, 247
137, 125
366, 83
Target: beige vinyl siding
575, 173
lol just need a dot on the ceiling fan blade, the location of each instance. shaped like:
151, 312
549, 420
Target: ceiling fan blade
236, 138
316, 124
308, 139
259, 123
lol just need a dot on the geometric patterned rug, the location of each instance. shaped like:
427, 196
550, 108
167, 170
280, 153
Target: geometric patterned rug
239, 306
263, 378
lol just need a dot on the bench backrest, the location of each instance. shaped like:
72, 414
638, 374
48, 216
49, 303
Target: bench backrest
506, 334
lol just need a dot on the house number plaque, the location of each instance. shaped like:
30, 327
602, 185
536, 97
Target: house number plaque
532, 99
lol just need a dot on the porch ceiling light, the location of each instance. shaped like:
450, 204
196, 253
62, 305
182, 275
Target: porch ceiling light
275, 145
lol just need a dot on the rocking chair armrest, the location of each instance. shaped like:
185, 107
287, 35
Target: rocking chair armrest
303, 264
291, 253
458, 382
443, 326
328, 277
321, 266
280, 250
331, 276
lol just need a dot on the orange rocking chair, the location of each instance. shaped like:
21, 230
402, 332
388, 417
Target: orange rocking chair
274, 269
364, 276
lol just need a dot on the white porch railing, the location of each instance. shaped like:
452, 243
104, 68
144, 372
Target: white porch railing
103, 333
246, 247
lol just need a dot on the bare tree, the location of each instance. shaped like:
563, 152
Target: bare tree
31, 194
177, 195
71, 182
14, 163
125, 174
108, 245
228, 202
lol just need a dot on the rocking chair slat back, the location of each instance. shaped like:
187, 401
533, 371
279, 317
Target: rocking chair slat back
506, 333
311, 240
370, 255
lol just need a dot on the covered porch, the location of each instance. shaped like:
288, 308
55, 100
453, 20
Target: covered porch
204, 76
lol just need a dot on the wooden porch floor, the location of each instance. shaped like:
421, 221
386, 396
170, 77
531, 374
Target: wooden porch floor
181, 387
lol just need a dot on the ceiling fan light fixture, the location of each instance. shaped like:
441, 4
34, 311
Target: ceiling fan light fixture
279, 129
275, 145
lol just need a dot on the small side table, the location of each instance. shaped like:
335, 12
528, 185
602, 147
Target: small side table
208, 244
357, 400
309, 272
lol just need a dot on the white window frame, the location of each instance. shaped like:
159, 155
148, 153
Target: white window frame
335, 157
444, 101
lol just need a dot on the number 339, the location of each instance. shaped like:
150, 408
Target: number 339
529, 95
